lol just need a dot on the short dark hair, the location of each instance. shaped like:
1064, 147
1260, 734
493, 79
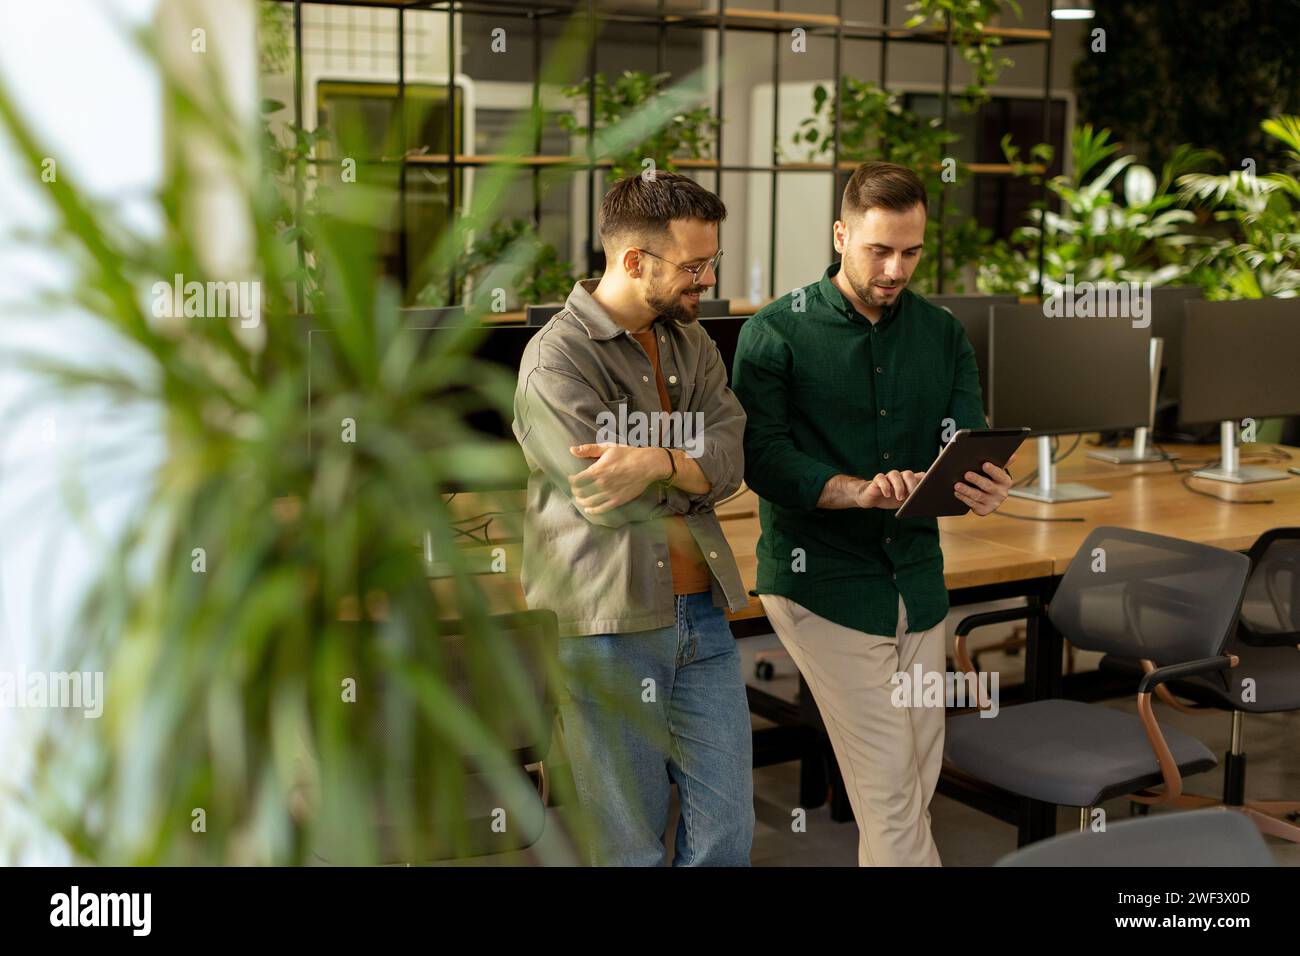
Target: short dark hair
637, 208
886, 185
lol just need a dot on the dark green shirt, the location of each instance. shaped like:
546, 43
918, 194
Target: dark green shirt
828, 393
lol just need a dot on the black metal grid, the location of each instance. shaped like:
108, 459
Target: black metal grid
774, 22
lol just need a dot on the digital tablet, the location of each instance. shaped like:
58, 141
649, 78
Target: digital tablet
968, 450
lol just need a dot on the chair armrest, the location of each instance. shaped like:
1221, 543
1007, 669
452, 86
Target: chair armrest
1173, 779
968, 624
1162, 675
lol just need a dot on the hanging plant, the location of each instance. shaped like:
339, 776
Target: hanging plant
547, 279
968, 19
654, 122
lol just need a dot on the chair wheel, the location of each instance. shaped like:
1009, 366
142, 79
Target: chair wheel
764, 670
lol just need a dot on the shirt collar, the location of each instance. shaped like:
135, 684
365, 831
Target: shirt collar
837, 300
590, 313
592, 316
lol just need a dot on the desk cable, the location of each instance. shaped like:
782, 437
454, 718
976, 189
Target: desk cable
1274, 455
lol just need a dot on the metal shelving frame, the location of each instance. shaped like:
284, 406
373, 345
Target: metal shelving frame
721, 20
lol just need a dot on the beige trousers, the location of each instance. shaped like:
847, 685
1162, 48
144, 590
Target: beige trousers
890, 756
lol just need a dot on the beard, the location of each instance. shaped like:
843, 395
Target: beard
671, 306
869, 291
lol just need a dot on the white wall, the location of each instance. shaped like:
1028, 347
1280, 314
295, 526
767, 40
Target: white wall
93, 103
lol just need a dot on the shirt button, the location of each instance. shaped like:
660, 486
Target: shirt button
882, 411
672, 379
889, 541
886, 456
660, 563
879, 369
646, 378
663, 338
713, 554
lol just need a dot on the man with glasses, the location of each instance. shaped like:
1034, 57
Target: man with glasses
631, 436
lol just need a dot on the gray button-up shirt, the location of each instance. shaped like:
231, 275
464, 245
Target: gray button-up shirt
581, 374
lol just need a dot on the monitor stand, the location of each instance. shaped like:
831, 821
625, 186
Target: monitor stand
1230, 468
1140, 452
1047, 489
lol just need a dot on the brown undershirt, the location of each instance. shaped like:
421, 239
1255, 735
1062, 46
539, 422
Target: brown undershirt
690, 572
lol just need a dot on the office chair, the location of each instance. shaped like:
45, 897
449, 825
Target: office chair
1126, 592
1198, 838
1265, 642
531, 639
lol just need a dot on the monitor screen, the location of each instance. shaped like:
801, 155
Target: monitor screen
972, 311
725, 333
1066, 375
1239, 359
1168, 313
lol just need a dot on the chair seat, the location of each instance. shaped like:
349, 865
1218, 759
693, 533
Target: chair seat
1215, 837
1066, 752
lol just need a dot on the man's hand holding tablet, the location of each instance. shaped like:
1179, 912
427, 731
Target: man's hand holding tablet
969, 475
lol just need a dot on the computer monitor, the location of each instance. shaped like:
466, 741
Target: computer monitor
972, 311
1239, 360
434, 318
1065, 375
714, 308
501, 345
1168, 313
725, 332
541, 314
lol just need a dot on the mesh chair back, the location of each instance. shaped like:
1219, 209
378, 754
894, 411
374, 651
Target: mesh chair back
1143, 595
1270, 613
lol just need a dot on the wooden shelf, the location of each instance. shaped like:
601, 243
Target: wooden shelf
501, 159
736, 16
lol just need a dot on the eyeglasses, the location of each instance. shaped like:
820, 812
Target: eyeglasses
695, 271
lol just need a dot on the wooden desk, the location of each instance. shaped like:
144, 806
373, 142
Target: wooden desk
999, 557
1149, 497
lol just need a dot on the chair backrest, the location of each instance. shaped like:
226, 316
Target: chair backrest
714, 308
1270, 613
1217, 837
1147, 596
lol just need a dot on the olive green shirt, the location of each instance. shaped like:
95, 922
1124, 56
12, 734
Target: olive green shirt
825, 393
610, 573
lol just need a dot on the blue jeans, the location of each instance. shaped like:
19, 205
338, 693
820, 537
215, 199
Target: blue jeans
644, 710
